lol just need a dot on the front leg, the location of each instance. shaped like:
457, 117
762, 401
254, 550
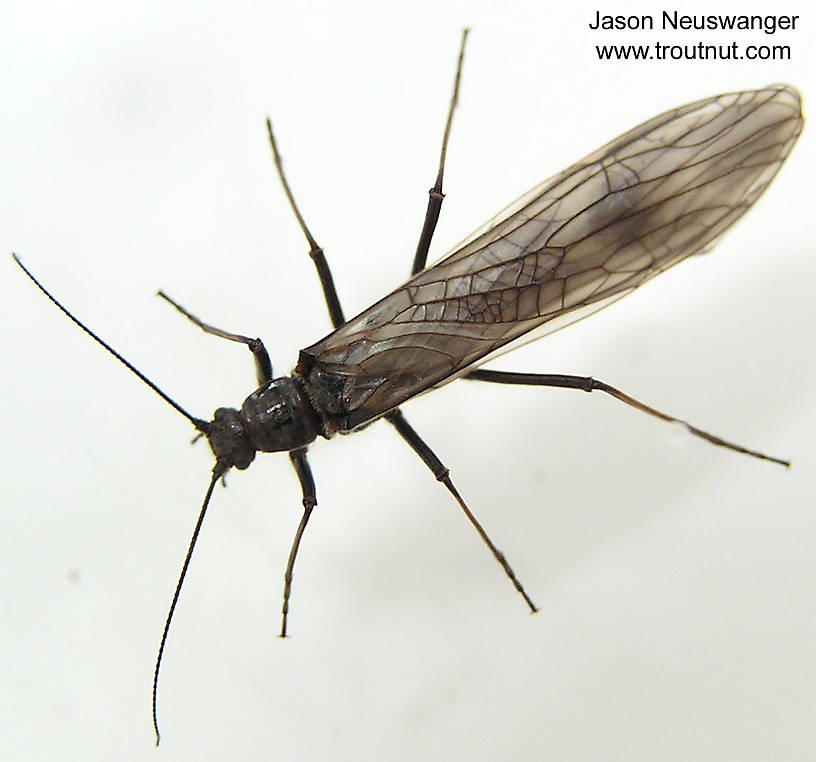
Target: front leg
263, 365
307, 485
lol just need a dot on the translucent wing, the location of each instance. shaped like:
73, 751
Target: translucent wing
654, 196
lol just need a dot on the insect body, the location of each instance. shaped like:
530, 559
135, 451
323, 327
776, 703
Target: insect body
644, 202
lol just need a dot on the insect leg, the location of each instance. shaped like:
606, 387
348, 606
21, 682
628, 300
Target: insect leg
315, 251
263, 365
588, 384
435, 194
431, 215
307, 485
442, 474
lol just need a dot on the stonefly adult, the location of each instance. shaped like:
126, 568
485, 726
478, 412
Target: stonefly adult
649, 199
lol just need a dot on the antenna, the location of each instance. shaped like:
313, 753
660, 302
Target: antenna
201, 425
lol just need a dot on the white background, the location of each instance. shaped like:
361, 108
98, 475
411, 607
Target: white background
675, 580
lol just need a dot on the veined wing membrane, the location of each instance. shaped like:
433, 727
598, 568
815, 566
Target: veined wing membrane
654, 196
